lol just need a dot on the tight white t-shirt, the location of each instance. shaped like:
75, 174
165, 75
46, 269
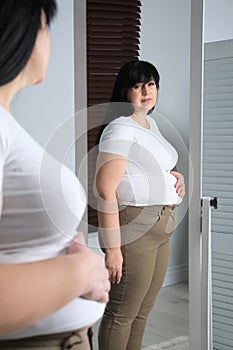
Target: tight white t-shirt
40, 210
147, 179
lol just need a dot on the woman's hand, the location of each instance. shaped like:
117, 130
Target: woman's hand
46, 286
179, 185
113, 261
98, 277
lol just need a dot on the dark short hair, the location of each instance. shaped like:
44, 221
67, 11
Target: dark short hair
20, 21
130, 74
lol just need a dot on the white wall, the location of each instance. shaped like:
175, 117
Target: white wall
218, 20
165, 41
40, 109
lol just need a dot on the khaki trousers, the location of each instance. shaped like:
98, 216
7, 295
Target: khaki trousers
145, 261
76, 340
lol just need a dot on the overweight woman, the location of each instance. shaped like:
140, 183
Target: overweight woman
51, 290
137, 195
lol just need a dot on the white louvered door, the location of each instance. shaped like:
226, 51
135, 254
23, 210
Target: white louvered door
218, 180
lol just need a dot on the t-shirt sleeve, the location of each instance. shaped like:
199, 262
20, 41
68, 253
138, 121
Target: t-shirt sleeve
117, 138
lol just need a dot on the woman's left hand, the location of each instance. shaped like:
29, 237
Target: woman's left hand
179, 185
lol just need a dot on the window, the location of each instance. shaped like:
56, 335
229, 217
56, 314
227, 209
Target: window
113, 33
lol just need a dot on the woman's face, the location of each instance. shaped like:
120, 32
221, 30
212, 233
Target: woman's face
37, 65
143, 95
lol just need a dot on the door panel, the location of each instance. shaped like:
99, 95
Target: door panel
217, 180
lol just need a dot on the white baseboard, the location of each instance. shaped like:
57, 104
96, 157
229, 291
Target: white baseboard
175, 274
178, 343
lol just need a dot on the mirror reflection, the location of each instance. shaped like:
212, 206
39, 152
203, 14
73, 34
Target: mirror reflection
157, 32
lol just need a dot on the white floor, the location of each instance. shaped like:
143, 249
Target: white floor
167, 326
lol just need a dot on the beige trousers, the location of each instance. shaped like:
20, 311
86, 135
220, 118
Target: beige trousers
145, 261
76, 340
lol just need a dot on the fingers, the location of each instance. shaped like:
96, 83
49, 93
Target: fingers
114, 261
180, 189
97, 284
101, 287
112, 274
118, 276
115, 275
104, 297
179, 185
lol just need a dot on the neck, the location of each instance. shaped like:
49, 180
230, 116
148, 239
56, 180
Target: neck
139, 115
8, 91
141, 119
5, 98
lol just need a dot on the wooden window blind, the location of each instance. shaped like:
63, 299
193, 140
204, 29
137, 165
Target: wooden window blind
113, 38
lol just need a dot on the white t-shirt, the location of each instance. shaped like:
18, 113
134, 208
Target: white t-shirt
41, 205
147, 179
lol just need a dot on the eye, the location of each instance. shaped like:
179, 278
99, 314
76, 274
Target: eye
137, 86
151, 83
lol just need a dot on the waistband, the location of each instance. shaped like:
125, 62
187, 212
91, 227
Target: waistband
157, 207
59, 341
172, 207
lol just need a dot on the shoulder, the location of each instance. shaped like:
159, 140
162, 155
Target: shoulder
120, 128
118, 137
121, 122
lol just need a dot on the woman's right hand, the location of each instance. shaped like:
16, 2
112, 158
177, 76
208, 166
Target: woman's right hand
98, 284
114, 261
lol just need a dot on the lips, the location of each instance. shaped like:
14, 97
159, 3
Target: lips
147, 99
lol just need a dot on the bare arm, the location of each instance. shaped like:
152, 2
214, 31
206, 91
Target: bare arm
110, 169
31, 291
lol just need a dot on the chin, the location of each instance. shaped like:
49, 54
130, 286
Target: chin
39, 80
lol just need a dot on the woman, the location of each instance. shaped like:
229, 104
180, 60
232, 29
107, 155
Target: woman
51, 290
137, 194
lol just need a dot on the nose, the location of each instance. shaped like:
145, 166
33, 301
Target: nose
144, 89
